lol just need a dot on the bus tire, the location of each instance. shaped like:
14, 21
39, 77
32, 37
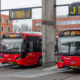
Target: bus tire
40, 61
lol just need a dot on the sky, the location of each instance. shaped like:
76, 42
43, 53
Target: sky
37, 13
9, 4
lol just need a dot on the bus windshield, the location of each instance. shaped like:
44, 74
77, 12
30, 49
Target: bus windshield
69, 46
11, 45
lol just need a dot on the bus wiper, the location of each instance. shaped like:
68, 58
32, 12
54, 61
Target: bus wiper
16, 48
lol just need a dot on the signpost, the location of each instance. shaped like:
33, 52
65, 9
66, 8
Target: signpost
74, 9
25, 13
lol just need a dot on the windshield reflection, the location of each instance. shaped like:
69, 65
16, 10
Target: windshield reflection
11, 45
69, 46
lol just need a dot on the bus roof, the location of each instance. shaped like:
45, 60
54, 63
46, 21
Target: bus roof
36, 34
40, 33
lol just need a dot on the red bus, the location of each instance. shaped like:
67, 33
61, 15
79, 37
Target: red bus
21, 49
68, 49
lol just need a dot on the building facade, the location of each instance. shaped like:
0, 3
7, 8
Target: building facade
6, 25
37, 25
67, 22
62, 23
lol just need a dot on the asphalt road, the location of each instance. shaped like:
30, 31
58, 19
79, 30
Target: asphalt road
10, 72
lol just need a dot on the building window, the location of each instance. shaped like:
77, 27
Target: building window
2, 29
37, 30
69, 22
8, 29
37, 24
1, 20
7, 21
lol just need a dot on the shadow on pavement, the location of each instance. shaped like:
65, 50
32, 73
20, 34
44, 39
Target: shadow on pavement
70, 71
21, 67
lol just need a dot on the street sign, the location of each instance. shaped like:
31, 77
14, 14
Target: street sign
20, 14
74, 9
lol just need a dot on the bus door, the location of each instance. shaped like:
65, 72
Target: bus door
32, 48
29, 46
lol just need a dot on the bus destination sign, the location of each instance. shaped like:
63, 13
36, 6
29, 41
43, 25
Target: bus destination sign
70, 33
74, 9
20, 14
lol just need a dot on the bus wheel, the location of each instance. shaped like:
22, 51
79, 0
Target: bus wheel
40, 61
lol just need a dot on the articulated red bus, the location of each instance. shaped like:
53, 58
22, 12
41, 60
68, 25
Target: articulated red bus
68, 51
21, 49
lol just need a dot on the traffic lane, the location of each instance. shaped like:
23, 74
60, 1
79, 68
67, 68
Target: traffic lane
77, 77
61, 75
29, 74
55, 76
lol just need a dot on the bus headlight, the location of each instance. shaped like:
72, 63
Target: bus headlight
19, 57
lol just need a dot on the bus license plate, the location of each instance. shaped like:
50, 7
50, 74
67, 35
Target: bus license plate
74, 66
10, 62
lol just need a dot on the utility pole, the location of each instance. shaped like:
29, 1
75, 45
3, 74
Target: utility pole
49, 31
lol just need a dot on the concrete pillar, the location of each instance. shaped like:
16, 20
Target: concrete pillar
49, 31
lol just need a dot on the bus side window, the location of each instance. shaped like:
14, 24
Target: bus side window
28, 46
31, 46
34, 44
39, 45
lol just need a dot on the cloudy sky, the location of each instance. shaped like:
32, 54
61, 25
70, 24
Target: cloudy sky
10, 4
37, 13
6, 4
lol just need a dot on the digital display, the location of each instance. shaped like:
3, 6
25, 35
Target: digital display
70, 33
20, 14
12, 36
74, 9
